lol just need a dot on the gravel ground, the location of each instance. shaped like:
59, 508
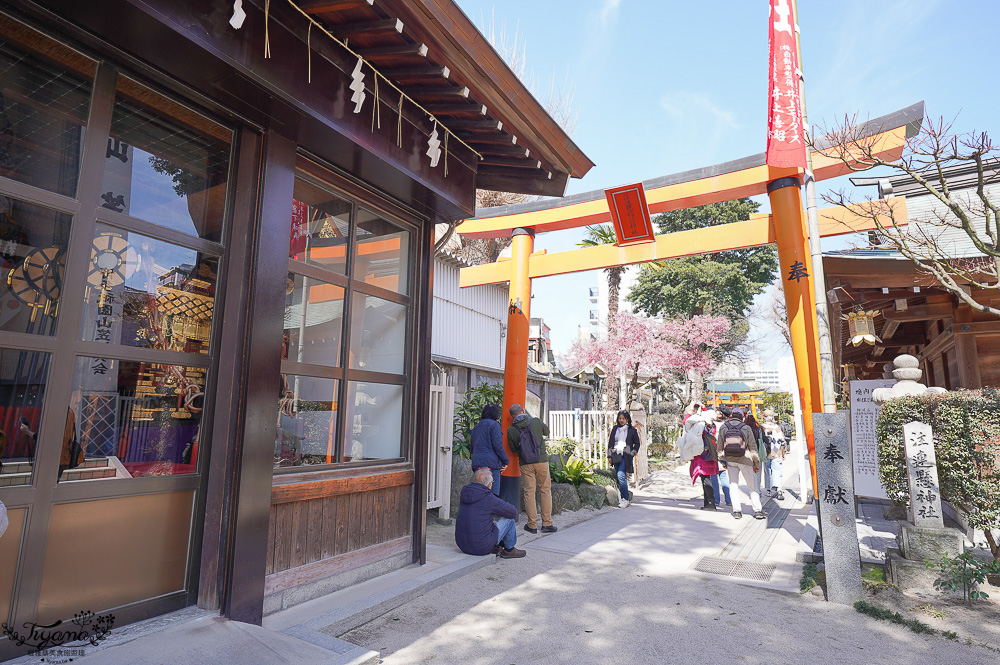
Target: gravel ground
619, 606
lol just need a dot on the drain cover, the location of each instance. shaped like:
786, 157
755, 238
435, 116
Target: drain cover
747, 570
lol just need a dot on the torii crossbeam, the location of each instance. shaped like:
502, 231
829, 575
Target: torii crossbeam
750, 176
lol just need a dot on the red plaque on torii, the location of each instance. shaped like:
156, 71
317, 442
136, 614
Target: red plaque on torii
629, 214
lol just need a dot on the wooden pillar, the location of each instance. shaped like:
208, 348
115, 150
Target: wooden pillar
795, 265
515, 370
965, 350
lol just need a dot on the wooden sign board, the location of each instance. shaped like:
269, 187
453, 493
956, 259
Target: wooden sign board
629, 214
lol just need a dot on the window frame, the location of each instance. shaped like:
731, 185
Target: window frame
338, 184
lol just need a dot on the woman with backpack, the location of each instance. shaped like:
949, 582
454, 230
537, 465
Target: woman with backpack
623, 445
487, 445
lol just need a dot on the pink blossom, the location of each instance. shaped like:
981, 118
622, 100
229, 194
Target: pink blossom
652, 347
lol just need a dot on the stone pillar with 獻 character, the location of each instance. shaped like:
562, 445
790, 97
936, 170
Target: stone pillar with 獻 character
835, 509
924, 537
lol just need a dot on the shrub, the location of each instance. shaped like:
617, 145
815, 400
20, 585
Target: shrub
965, 573
564, 447
468, 411
605, 477
575, 472
966, 427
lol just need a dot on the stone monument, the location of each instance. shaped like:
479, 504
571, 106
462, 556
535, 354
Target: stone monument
924, 537
838, 528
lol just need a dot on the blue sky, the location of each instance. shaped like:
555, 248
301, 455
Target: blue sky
661, 86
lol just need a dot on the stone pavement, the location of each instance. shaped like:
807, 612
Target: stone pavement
622, 588
630, 585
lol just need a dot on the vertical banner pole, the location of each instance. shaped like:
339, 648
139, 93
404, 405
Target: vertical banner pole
515, 369
796, 275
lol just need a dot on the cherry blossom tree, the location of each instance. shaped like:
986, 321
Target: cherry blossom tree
651, 347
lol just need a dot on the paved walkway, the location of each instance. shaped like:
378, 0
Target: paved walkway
621, 588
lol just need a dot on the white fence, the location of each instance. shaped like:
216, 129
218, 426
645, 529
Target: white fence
439, 441
591, 429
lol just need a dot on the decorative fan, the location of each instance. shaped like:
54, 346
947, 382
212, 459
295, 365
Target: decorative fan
43, 269
24, 291
112, 261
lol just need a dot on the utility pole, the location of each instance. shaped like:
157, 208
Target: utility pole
815, 248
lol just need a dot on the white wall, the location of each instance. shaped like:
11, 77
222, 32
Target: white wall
467, 324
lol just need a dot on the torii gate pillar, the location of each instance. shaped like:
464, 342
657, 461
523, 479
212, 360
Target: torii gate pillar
515, 369
796, 274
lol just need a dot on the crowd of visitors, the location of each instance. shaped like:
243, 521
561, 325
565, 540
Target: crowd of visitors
726, 446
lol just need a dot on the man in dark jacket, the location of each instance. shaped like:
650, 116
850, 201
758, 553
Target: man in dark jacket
475, 532
533, 472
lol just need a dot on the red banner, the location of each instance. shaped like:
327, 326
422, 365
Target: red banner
785, 140
629, 214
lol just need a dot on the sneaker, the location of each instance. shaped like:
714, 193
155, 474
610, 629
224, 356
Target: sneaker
529, 529
729, 503
552, 528
512, 553
737, 515
781, 495
623, 503
710, 506
759, 515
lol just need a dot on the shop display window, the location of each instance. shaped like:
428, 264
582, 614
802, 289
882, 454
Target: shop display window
129, 419
166, 164
382, 251
45, 90
148, 293
23, 379
307, 422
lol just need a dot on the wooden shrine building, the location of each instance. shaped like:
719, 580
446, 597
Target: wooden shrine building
217, 248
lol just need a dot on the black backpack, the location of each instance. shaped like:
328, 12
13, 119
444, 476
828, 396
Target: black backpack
530, 450
787, 431
735, 444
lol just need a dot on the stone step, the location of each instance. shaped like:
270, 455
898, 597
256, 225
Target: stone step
91, 473
14, 479
92, 462
16, 467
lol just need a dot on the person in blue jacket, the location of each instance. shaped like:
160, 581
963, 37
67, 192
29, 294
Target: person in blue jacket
475, 532
487, 445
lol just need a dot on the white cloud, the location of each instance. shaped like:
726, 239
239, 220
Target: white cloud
608, 10
695, 115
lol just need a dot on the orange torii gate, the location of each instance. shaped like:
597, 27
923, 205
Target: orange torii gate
785, 226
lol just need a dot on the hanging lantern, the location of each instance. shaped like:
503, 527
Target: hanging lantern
850, 371
861, 327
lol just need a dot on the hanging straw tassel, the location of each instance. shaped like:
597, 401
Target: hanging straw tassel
376, 111
446, 135
267, 41
309, 76
399, 123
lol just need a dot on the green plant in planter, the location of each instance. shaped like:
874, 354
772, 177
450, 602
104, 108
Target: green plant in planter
468, 412
966, 426
965, 573
575, 472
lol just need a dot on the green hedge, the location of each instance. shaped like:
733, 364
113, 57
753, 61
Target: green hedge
966, 426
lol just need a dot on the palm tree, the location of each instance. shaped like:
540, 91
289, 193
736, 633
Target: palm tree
603, 234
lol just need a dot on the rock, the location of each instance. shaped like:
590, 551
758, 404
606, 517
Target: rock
613, 495
592, 495
461, 475
564, 497
558, 460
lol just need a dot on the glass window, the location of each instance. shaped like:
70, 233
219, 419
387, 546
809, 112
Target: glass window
129, 419
379, 335
166, 163
23, 378
320, 227
148, 293
381, 252
33, 242
314, 321
375, 422
307, 422
44, 99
